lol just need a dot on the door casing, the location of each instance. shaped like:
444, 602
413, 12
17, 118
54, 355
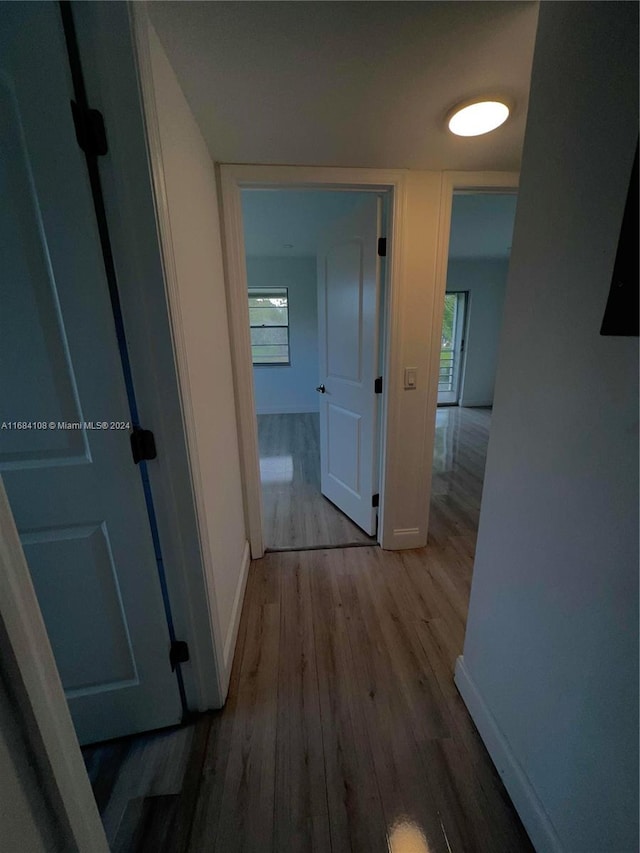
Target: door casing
390, 183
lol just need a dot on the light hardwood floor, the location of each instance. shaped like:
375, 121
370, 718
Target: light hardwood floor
295, 513
460, 451
343, 730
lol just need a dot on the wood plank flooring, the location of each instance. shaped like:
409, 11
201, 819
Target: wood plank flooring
459, 456
295, 513
343, 730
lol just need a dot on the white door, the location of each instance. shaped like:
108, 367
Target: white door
75, 493
348, 299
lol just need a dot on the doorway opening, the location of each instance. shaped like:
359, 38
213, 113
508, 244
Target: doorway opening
481, 230
452, 347
315, 284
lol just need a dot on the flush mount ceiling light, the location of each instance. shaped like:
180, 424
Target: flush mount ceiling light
477, 117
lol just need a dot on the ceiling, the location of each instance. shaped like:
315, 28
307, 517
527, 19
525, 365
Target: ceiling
350, 83
481, 223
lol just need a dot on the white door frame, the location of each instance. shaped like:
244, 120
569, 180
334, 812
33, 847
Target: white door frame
234, 178
452, 182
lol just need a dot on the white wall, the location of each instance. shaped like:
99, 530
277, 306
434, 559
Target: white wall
408, 473
550, 667
485, 280
290, 388
202, 343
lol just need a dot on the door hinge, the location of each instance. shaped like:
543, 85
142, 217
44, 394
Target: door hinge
90, 130
382, 247
377, 385
375, 500
179, 653
143, 444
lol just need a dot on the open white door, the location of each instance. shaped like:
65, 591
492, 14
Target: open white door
75, 492
348, 300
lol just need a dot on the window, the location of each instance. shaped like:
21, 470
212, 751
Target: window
269, 320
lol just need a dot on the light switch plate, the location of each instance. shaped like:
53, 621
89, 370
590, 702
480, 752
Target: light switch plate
410, 378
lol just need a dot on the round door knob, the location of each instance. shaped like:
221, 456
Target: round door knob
321, 389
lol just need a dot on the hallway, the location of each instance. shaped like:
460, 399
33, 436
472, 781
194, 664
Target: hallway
343, 729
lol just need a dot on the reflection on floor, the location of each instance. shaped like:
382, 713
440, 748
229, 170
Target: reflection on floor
295, 514
343, 730
146, 787
460, 451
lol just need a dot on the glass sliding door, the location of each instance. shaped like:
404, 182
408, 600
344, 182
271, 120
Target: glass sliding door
452, 348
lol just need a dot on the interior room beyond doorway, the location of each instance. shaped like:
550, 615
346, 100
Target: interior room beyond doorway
283, 232
478, 261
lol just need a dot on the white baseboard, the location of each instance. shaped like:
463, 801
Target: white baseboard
532, 814
234, 623
285, 410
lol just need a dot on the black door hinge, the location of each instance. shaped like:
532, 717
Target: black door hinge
375, 500
179, 653
90, 130
143, 444
377, 385
382, 247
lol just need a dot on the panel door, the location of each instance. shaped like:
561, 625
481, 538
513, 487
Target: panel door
74, 491
348, 299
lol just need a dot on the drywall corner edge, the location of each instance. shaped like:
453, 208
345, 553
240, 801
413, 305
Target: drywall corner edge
234, 623
238, 318
532, 814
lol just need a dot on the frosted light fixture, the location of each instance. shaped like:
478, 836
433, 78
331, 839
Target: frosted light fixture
477, 118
